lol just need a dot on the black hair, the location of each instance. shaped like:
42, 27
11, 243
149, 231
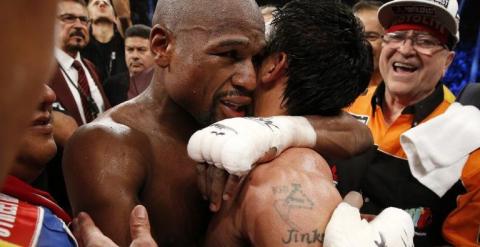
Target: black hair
138, 30
329, 60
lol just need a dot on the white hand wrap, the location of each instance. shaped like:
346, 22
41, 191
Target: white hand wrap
236, 144
392, 227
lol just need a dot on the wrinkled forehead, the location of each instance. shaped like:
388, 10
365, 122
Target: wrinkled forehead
174, 13
226, 23
228, 33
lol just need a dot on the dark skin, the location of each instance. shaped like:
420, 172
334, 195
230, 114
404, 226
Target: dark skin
136, 152
287, 201
124, 137
338, 137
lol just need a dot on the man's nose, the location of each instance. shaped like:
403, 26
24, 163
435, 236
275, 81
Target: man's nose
48, 96
78, 23
407, 47
245, 76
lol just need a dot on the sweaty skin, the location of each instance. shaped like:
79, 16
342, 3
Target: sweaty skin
287, 201
136, 152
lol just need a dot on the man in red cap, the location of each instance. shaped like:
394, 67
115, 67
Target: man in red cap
417, 49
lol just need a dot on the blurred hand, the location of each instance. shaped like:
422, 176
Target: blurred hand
88, 235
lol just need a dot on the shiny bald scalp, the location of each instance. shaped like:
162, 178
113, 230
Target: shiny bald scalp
174, 14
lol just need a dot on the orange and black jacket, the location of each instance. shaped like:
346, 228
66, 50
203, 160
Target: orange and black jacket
383, 176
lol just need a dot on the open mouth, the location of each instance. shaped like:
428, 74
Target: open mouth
403, 67
235, 106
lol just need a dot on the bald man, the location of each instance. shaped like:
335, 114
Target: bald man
289, 200
136, 153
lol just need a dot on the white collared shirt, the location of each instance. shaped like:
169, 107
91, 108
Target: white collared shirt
66, 62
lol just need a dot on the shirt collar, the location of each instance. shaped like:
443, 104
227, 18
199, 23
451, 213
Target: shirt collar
419, 110
64, 59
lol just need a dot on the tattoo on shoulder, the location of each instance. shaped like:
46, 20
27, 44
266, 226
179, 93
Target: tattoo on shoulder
291, 200
295, 237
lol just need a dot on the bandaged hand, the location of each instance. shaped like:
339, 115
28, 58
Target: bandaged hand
392, 227
236, 144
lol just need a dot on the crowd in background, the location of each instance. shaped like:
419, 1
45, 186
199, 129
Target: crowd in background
122, 89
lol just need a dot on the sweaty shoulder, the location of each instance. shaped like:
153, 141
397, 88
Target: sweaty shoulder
112, 129
292, 162
288, 200
105, 166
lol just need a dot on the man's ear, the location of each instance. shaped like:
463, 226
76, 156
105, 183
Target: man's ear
161, 45
448, 61
273, 67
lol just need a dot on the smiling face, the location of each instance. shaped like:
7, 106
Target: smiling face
409, 75
211, 72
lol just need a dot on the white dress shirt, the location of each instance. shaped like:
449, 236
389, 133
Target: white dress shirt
66, 62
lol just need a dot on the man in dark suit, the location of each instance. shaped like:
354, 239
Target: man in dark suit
75, 81
139, 60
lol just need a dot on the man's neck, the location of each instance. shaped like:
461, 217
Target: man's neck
24, 171
72, 54
103, 31
392, 107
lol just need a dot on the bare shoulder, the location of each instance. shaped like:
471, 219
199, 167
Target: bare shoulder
288, 200
293, 163
106, 164
114, 131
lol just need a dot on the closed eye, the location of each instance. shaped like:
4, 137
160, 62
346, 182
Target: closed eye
232, 54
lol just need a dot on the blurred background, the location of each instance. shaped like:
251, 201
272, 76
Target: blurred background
465, 68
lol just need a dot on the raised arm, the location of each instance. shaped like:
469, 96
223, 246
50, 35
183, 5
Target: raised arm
104, 172
341, 136
287, 201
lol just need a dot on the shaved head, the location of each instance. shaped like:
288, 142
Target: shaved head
175, 14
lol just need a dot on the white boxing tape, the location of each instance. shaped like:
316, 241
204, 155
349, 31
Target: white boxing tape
392, 227
236, 144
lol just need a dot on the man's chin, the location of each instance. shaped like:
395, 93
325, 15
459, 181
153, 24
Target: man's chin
103, 19
76, 47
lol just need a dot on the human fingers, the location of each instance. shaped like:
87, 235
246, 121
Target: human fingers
217, 185
88, 234
140, 228
202, 179
230, 186
354, 198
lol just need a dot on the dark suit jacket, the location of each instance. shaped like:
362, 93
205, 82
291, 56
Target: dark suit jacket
116, 88
59, 84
